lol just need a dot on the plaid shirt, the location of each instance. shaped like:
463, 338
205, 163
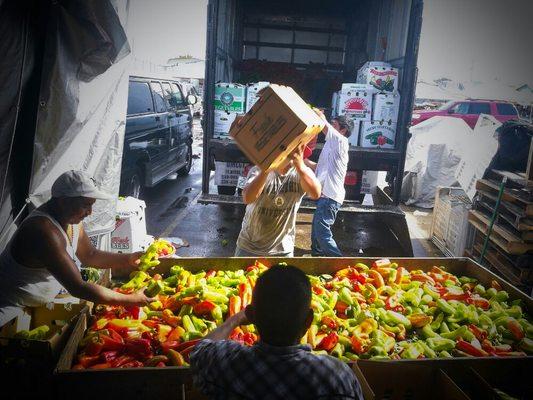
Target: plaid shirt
227, 370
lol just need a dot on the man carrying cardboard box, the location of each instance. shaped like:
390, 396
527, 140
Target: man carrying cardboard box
331, 172
272, 199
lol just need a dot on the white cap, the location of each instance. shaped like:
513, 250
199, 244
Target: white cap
77, 184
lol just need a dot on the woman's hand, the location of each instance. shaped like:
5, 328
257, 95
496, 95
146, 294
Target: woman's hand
134, 259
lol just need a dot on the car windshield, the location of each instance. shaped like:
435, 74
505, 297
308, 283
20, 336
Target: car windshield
446, 106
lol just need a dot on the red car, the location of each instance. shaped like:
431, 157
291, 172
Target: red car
469, 111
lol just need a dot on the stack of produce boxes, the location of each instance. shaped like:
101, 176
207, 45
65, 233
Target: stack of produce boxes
230, 101
380, 130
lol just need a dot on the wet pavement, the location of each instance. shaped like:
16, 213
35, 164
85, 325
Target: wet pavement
212, 230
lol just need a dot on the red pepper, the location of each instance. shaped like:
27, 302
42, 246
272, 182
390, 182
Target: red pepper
211, 273
78, 366
160, 364
479, 302
119, 361
317, 290
169, 344
186, 353
341, 307
112, 343
184, 345
101, 366
235, 304
191, 300
204, 307
245, 292
459, 297
150, 323
515, 329
357, 345
329, 322
249, 338
470, 349
87, 361
328, 342
479, 333
132, 364
108, 356
121, 330
138, 348
94, 346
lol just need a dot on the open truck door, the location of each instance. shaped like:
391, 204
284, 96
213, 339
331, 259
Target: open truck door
339, 38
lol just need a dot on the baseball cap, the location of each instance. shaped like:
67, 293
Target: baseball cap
308, 151
77, 184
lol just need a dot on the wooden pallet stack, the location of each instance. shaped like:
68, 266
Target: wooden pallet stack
510, 248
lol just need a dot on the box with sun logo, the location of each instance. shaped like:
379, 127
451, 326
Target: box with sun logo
355, 101
378, 134
230, 97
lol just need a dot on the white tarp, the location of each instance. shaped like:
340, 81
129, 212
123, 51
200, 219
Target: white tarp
434, 151
81, 120
479, 150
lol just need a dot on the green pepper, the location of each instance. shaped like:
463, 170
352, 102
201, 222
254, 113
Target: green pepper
137, 280
191, 291
440, 344
216, 314
444, 328
437, 321
395, 318
480, 289
490, 293
176, 270
445, 307
465, 279
333, 300
185, 309
502, 295
154, 288
462, 331
214, 297
445, 354
338, 350
377, 351
345, 296
188, 325
412, 351
198, 323
526, 345
428, 332
428, 351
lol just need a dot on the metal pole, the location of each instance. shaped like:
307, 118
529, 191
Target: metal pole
493, 218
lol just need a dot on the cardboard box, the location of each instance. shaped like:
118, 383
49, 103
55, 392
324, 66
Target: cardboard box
379, 75
251, 93
378, 134
355, 100
60, 318
386, 107
275, 126
130, 227
223, 121
230, 97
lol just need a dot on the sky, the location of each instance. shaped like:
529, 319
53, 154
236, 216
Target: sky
480, 40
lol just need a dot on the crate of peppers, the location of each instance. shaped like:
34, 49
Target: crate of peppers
375, 309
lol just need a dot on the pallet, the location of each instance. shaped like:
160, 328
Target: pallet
506, 240
512, 196
503, 221
515, 180
509, 212
498, 261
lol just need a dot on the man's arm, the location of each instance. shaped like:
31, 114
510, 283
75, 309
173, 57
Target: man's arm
254, 188
310, 164
120, 264
50, 248
224, 330
308, 180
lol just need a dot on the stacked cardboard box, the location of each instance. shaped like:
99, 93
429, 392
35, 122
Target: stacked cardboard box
230, 100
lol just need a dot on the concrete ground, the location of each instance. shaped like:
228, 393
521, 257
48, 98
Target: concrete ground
173, 211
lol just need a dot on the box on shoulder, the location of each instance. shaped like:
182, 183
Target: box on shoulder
277, 123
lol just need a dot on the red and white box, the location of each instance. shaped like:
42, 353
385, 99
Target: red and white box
130, 227
355, 100
386, 107
380, 135
379, 75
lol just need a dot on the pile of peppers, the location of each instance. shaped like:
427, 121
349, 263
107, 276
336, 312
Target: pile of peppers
380, 311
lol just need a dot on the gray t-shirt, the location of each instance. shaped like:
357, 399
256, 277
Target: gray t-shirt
269, 224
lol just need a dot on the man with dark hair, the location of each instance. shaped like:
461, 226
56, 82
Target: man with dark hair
331, 172
277, 367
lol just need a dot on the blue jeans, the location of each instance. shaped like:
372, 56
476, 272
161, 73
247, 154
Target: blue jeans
322, 242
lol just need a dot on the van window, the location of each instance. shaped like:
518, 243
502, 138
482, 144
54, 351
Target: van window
170, 100
158, 97
178, 95
505, 109
139, 98
460, 108
479, 108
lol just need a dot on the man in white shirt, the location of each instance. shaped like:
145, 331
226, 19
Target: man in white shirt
330, 171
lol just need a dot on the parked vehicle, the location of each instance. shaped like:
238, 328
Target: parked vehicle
189, 89
313, 46
158, 138
469, 111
